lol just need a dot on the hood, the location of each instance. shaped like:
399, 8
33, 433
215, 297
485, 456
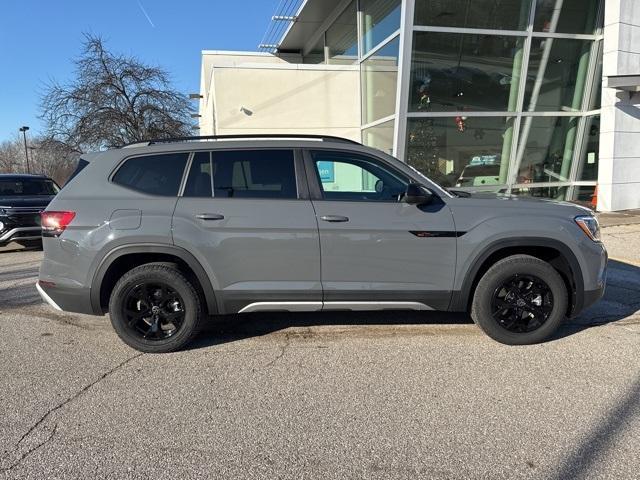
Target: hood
21, 201
514, 203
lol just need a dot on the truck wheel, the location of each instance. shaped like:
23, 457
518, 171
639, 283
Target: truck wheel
520, 300
155, 309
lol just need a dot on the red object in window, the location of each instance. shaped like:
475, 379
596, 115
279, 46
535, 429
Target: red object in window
460, 123
56, 222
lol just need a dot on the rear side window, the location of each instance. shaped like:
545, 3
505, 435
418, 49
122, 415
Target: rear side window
199, 180
153, 174
254, 174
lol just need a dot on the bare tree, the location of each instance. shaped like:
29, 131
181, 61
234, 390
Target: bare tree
114, 99
11, 156
48, 157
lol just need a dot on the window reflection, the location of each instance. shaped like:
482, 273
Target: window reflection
342, 38
451, 71
566, 16
558, 70
379, 80
461, 151
380, 19
545, 149
588, 168
380, 137
495, 14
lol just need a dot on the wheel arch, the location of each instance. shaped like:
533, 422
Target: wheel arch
555, 252
129, 256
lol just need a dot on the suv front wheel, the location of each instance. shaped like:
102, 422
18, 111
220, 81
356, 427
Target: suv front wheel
155, 309
520, 300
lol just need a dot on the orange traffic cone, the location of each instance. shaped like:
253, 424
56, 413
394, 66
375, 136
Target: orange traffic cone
594, 198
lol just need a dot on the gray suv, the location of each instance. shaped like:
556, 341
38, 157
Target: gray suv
166, 233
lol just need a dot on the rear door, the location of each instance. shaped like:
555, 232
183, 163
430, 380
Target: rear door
377, 251
246, 215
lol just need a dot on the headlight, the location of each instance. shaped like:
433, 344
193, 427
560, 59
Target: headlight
590, 226
1, 226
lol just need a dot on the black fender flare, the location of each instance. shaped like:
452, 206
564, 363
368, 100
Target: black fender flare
460, 300
181, 253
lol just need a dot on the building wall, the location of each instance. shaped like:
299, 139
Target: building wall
619, 170
274, 96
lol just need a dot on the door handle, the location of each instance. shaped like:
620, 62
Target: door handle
210, 216
334, 218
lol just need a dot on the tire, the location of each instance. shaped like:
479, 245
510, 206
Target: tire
498, 300
155, 298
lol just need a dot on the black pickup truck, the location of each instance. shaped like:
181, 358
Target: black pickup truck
22, 198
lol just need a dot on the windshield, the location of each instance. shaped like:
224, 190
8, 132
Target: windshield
27, 186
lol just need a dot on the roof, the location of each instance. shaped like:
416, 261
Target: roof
17, 176
311, 16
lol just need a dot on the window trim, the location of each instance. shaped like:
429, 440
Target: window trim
315, 186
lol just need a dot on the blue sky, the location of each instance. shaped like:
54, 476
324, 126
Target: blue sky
38, 39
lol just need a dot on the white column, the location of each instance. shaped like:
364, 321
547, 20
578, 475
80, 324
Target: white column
619, 168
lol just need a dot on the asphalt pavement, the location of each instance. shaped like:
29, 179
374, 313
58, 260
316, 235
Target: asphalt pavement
329, 395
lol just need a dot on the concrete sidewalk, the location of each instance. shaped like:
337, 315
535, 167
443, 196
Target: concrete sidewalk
626, 217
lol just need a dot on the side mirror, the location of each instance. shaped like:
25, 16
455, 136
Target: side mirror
417, 194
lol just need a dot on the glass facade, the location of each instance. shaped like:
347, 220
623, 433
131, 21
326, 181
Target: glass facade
481, 94
503, 94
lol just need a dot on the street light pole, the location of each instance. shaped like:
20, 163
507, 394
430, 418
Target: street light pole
26, 154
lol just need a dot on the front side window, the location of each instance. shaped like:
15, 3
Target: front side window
344, 176
254, 174
153, 174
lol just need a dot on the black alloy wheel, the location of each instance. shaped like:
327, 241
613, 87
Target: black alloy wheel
153, 311
522, 304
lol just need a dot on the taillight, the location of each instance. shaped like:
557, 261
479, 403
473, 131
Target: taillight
54, 223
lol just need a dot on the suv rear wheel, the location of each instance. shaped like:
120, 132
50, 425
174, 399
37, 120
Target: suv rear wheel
155, 309
520, 300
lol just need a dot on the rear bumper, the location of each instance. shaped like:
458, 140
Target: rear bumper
68, 299
20, 233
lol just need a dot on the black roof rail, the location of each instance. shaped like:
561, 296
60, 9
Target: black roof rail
325, 138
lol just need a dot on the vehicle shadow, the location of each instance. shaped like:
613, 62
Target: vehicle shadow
621, 300
231, 328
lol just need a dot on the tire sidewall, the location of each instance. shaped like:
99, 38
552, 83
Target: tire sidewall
495, 276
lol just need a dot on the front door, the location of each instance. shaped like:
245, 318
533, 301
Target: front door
377, 251
244, 215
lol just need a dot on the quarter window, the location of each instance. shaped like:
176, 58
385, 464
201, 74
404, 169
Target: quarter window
254, 174
344, 176
153, 174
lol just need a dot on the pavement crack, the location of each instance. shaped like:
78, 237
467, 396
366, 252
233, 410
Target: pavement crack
283, 349
59, 406
31, 450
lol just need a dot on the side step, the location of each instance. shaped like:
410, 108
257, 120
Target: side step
327, 306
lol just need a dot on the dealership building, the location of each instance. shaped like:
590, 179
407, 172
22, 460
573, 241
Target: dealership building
532, 97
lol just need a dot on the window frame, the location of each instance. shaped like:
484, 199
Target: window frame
315, 185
